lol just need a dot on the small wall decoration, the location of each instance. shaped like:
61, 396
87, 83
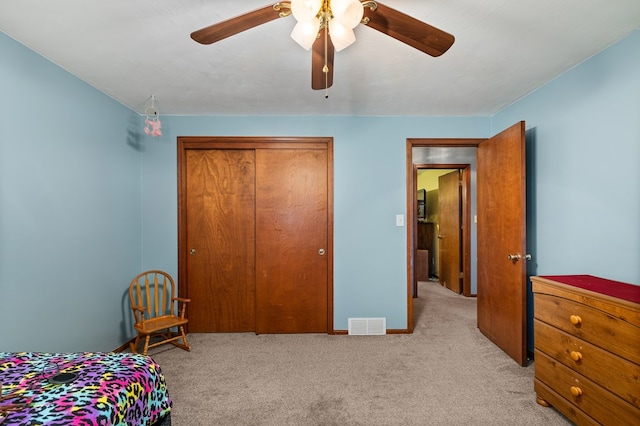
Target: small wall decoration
152, 124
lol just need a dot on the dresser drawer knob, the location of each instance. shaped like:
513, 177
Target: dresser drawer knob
575, 320
576, 356
576, 391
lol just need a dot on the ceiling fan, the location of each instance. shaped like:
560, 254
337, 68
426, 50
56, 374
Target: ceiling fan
326, 26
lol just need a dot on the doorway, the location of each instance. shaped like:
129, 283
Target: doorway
442, 240
499, 170
440, 219
442, 154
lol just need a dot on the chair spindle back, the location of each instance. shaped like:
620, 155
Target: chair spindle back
154, 291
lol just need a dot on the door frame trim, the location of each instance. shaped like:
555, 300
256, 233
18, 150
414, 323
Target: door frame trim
185, 143
411, 207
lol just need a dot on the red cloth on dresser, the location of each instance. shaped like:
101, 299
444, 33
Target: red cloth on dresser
617, 289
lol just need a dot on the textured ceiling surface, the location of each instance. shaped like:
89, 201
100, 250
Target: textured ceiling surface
129, 50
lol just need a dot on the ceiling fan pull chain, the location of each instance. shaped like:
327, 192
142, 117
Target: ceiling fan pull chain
325, 69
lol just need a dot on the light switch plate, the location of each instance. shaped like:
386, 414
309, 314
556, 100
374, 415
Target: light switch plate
399, 220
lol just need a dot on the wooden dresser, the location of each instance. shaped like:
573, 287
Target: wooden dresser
587, 348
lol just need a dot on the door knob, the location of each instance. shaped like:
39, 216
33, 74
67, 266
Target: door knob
321, 252
518, 256
192, 252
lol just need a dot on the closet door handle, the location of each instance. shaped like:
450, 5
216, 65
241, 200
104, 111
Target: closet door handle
321, 252
518, 256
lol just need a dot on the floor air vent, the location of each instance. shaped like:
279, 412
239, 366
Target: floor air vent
367, 326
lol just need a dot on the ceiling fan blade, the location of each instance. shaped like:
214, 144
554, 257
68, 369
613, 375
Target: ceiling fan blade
409, 30
233, 26
319, 79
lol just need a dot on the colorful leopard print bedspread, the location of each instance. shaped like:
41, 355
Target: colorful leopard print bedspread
110, 389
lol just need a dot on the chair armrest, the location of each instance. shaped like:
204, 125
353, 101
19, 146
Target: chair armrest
138, 308
184, 304
138, 314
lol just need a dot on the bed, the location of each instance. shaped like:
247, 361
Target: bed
89, 388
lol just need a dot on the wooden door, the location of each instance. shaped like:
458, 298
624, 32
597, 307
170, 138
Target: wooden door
449, 214
292, 245
250, 204
221, 239
501, 185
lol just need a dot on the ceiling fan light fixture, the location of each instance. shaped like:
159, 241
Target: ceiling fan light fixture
326, 26
341, 35
306, 32
305, 10
348, 12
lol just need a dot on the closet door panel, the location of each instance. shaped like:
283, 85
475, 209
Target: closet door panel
291, 240
221, 239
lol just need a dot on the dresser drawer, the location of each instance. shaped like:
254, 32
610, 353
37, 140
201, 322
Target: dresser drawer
616, 374
587, 396
590, 324
570, 411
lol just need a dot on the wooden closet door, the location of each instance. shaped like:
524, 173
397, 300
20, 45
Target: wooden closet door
291, 240
220, 200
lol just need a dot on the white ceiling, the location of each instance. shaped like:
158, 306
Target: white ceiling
504, 49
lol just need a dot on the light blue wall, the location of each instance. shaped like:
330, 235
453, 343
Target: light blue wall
584, 166
69, 208
370, 189
86, 203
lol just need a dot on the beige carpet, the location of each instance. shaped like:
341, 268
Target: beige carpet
445, 373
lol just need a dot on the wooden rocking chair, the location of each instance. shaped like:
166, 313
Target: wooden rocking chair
156, 311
